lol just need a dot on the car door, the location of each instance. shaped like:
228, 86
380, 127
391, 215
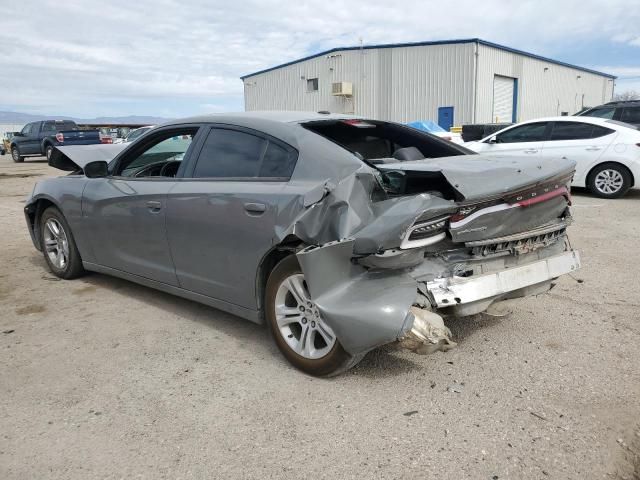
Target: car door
582, 142
26, 143
525, 139
221, 216
126, 211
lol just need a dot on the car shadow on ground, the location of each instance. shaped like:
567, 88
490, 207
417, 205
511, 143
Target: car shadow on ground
385, 361
27, 159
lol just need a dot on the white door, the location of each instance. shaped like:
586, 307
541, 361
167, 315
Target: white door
503, 89
524, 139
582, 142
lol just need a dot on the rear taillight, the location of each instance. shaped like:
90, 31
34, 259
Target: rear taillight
106, 140
60, 137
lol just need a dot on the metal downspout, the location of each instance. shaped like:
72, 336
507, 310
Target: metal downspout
475, 82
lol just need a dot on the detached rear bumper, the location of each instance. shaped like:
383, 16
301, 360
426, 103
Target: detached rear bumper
484, 289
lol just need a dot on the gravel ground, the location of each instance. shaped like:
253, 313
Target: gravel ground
101, 378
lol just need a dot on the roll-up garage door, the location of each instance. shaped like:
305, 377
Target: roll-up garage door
502, 99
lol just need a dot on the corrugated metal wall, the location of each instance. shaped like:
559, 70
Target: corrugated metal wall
400, 84
541, 93
410, 83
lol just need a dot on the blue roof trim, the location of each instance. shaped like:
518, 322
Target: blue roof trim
437, 42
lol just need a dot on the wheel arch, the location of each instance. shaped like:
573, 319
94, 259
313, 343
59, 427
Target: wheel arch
45, 143
34, 212
600, 164
288, 246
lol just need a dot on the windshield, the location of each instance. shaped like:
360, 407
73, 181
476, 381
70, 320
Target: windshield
372, 140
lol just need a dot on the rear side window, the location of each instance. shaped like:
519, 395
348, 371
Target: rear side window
630, 115
600, 131
234, 154
532, 132
577, 131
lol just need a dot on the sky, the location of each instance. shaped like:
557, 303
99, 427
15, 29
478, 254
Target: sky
172, 59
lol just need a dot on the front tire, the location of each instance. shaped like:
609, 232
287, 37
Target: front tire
15, 155
609, 180
58, 245
297, 326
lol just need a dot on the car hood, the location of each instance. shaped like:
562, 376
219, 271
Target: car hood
478, 177
74, 157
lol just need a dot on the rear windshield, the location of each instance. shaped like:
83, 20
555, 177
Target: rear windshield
59, 125
372, 140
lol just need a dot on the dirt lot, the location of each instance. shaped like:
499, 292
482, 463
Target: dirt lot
101, 378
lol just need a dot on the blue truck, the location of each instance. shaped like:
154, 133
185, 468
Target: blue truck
39, 138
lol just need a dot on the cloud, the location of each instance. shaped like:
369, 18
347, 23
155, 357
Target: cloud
177, 58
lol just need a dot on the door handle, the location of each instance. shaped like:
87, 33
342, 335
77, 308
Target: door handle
532, 150
593, 149
154, 206
255, 208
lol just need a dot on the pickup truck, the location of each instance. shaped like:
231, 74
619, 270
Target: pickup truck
39, 138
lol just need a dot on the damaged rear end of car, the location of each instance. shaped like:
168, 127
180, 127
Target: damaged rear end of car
407, 241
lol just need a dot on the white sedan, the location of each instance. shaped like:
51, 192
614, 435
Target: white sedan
607, 152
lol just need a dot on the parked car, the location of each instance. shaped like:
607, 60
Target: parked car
433, 128
39, 138
6, 142
133, 134
627, 111
341, 234
607, 152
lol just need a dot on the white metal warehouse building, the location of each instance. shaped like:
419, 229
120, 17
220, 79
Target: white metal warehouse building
452, 82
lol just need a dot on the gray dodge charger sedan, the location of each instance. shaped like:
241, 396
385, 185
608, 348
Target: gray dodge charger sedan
341, 233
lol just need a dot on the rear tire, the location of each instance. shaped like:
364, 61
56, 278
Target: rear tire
609, 180
15, 155
58, 245
48, 150
297, 327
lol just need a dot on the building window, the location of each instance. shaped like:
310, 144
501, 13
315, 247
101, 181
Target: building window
312, 84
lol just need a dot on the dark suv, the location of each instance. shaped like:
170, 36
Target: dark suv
627, 111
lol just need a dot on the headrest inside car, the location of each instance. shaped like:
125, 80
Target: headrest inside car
408, 153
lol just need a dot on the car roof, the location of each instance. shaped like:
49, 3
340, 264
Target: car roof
580, 118
282, 116
622, 103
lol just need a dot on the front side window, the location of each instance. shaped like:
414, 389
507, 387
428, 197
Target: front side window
630, 115
532, 132
571, 131
26, 130
235, 154
160, 157
605, 112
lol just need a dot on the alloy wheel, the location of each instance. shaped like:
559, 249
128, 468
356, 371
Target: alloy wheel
299, 321
56, 243
609, 181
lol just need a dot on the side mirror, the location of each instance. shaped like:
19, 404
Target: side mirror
97, 169
18, 134
493, 139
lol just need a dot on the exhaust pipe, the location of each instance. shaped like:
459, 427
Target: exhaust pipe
428, 333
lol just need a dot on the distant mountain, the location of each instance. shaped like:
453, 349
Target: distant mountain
21, 118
